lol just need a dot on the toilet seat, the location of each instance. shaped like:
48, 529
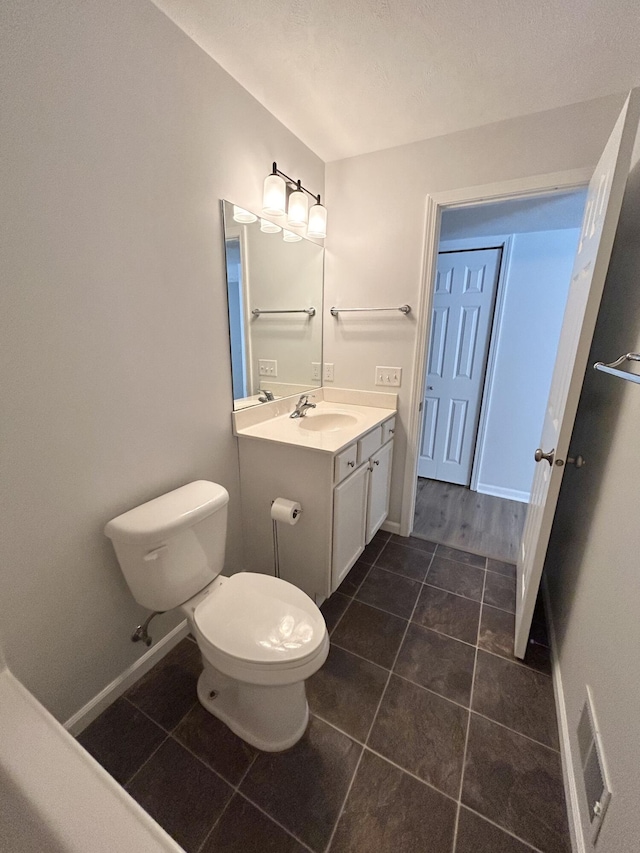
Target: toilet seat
261, 629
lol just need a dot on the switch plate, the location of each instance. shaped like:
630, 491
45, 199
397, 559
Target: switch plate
328, 371
315, 370
389, 376
267, 367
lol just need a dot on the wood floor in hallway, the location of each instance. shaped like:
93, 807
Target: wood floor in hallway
455, 516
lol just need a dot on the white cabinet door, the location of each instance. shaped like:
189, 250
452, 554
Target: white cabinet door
379, 485
349, 518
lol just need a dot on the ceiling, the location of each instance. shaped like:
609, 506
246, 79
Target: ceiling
353, 76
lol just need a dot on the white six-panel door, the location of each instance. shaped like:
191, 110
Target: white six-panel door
602, 210
463, 300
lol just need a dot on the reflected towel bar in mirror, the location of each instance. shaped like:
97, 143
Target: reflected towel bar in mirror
403, 309
310, 311
623, 374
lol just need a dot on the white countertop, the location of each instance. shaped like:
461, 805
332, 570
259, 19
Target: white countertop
284, 429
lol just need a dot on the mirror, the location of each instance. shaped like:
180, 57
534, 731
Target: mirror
274, 295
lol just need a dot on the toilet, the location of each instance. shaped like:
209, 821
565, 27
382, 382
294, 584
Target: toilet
260, 637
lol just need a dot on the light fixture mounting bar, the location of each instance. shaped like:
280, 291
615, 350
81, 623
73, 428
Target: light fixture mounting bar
298, 183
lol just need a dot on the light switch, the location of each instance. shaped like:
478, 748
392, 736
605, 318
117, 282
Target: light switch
390, 376
267, 367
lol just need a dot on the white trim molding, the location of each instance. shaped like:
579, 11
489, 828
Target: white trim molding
435, 204
88, 713
499, 492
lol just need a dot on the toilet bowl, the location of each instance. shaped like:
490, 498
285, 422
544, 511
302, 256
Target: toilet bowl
260, 637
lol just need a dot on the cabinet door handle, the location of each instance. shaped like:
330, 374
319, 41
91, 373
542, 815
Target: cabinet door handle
351, 464
391, 431
376, 461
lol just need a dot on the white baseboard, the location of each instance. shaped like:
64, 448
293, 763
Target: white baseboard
391, 527
570, 786
499, 492
87, 714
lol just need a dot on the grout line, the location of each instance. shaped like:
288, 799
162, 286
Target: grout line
527, 844
228, 803
396, 574
514, 731
382, 695
144, 714
277, 822
502, 574
409, 773
144, 763
451, 592
466, 737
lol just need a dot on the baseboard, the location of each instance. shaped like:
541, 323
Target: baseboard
570, 786
499, 492
391, 527
87, 714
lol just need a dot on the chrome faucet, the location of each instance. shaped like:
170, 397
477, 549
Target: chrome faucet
301, 407
267, 397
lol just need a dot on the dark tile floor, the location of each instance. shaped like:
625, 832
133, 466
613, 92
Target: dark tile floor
426, 735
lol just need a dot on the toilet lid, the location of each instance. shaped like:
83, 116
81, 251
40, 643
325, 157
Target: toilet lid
261, 619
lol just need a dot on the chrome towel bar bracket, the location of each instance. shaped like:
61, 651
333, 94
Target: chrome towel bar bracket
622, 374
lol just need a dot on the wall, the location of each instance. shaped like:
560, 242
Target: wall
527, 332
377, 225
592, 564
120, 138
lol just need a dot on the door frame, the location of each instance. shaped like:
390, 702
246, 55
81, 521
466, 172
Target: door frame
435, 204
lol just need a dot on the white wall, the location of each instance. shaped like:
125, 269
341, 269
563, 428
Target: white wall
593, 563
535, 292
377, 222
120, 138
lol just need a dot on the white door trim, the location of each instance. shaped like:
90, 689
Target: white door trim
464, 197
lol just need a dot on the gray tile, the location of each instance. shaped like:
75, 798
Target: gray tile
370, 633
215, 744
456, 577
373, 549
496, 635
500, 591
517, 697
460, 556
389, 592
121, 739
414, 542
304, 787
168, 690
476, 835
448, 613
388, 811
181, 794
356, 574
410, 562
244, 829
517, 784
333, 608
501, 568
421, 732
437, 662
346, 691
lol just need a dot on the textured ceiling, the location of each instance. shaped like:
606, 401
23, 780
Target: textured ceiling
351, 76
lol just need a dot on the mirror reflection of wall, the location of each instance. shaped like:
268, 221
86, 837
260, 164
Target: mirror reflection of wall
278, 352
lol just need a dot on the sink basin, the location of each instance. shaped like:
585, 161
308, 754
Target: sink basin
327, 421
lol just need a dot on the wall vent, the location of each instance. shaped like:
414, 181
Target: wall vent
594, 774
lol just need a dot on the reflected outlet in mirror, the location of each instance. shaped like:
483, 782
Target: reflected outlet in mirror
274, 291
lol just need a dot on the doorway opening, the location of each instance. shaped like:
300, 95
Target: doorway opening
497, 303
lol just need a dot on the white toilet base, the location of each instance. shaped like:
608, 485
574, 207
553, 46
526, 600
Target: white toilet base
270, 718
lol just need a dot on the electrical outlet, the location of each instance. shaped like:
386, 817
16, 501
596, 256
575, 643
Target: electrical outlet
267, 367
315, 370
328, 371
389, 376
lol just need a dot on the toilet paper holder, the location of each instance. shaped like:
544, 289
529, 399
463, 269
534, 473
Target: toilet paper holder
285, 511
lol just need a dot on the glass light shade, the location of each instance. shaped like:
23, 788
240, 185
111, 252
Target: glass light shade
269, 227
274, 196
317, 221
242, 215
298, 211
290, 237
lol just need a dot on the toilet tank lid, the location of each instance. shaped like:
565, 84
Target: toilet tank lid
163, 516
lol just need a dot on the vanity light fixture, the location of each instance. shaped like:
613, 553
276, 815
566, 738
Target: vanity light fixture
290, 237
242, 215
269, 227
276, 185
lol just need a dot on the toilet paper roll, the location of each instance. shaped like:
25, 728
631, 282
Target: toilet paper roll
286, 511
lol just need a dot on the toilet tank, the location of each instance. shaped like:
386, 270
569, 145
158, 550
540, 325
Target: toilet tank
172, 546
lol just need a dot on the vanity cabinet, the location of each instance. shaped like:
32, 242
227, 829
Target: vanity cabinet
344, 498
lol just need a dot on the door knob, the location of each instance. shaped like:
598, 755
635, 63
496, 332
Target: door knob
539, 455
578, 461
